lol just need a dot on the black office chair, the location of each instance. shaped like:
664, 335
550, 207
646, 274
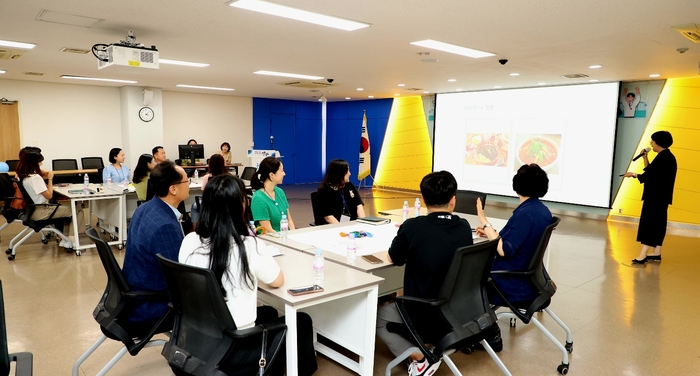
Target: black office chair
7, 194
45, 225
64, 164
205, 335
12, 163
319, 220
116, 303
466, 201
537, 276
464, 306
248, 173
96, 163
24, 360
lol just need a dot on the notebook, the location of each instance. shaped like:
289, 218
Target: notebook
374, 220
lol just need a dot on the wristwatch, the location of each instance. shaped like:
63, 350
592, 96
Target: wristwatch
487, 225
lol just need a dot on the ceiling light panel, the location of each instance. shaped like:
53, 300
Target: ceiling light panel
2, 71
292, 75
98, 79
451, 48
206, 87
12, 44
298, 14
183, 63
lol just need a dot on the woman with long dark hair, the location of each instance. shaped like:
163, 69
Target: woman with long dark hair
29, 174
269, 202
222, 243
338, 199
216, 168
142, 173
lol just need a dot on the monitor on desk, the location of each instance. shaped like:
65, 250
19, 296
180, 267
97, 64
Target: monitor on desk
191, 152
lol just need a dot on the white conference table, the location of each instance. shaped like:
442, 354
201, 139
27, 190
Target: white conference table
108, 205
345, 312
328, 239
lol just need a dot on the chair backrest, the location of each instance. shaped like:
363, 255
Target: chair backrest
4, 352
112, 302
466, 201
540, 278
467, 309
92, 162
201, 314
10, 209
64, 164
12, 163
248, 173
26, 215
318, 219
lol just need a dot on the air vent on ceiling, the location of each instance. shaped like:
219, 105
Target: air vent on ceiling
575, 75
690, 31
68, 19
413, 89
74, 50
37, 74
7, 54
307, 84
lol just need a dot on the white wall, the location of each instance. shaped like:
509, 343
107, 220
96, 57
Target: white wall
209, 119
66, 121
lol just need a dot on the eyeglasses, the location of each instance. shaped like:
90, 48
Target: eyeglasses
182, 182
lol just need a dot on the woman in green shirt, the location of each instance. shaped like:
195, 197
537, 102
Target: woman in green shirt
269, 202
141, 174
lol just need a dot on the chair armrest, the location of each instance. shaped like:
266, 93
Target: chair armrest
24, 363
432, 358
524, 318
430, 302
154, 294
512, 273
244, 333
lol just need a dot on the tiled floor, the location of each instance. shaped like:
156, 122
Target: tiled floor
626, 321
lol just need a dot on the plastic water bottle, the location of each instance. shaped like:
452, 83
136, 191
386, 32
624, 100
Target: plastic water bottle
126, 185
251, 229
405, 210
109, 180
416, 208
196, 176
352, 252
284, 226
319, 264
86, 185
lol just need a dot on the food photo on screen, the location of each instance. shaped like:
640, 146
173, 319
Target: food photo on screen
487, 149
542, 149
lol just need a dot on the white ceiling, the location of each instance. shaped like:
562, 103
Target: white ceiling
542, 39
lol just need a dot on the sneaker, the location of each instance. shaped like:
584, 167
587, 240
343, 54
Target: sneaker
65, 244
423, 368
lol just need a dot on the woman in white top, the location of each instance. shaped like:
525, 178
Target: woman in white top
29, 173
222, 243
116, 170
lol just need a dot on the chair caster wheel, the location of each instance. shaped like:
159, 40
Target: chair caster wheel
120, 247
10, 257
69, 250
513, 322
563, 369
8, 251
569, 347
45, 241
468, 350
78, 252
102, 230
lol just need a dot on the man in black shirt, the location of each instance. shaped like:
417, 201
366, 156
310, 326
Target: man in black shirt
426, 245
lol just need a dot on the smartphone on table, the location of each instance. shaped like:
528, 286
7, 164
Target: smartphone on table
305, 290
372, 259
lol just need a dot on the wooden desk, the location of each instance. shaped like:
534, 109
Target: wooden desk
108, 205
345, 312
67, 172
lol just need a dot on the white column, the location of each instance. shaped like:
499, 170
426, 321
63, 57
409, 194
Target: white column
139, 137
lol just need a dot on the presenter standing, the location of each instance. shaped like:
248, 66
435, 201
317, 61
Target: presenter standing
658, 178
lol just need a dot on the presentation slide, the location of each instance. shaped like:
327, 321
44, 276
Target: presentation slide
484, 137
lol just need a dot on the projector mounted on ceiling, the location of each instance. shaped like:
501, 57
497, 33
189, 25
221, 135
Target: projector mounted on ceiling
126, 53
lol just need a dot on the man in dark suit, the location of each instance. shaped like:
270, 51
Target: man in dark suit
155, 228
658, 178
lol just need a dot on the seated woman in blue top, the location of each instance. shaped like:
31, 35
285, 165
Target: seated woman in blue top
117, 171
269, 202
521, 235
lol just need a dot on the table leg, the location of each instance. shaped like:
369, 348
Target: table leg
290, 317
367, 358
74, 216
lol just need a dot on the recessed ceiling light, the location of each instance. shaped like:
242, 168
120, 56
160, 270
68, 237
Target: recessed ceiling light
292, 75
451, 80
654, 75
370, 96
515, 74
592, 80
426, 92
206, 87
497, 87
2, 71
401, 85
541, 83
98, 79
11, 44
360, 89
347, 97
595, 66
451, 48
298, 14
184, 63
397, 94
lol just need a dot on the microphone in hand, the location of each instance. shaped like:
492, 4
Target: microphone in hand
643, 153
